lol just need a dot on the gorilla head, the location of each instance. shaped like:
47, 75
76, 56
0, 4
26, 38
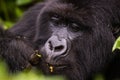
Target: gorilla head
76, 40
74, 37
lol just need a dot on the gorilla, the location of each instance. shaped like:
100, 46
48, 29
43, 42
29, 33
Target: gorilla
74, 37
15, 51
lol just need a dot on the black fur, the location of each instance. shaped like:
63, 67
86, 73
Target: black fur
91, 51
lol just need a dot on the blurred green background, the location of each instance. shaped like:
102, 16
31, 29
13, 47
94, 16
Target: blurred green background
12, 10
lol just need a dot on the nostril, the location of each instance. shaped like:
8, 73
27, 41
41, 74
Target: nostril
59, 48
50, 45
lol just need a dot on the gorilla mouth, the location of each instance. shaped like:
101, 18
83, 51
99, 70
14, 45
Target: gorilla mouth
55, 68
59, 66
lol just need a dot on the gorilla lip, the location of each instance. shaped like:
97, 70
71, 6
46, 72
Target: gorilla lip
54, 67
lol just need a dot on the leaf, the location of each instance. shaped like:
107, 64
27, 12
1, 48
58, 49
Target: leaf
23, 2
3, 71
8, 24
19, 12
116, 45
98, 77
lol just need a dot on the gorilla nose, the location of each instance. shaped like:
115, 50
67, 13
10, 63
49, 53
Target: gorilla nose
56, 46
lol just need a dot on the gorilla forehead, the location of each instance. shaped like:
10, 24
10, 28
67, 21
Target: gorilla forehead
69, 11
77, 3
61, 8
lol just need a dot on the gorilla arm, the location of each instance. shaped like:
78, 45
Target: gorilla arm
14, 50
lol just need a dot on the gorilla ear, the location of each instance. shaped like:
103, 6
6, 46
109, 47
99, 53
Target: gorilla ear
116, 31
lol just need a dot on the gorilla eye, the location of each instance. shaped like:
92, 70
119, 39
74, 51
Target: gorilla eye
75, 27
55, 19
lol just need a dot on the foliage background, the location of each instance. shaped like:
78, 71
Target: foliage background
12, 10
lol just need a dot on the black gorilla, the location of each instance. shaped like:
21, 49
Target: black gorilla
15, 50
75, 37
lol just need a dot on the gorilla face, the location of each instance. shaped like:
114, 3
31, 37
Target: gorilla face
71, 39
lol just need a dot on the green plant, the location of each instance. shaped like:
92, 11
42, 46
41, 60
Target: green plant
117, 44
32, 75
12, 10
